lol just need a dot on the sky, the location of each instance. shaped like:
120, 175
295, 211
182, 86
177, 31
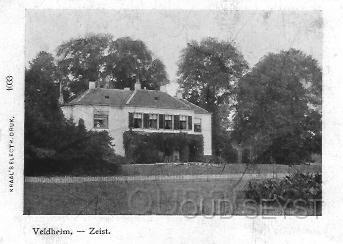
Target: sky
167, 32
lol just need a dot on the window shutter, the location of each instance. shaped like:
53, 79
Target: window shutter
161, 121
146, 120
130, 120
190, 124
176, 122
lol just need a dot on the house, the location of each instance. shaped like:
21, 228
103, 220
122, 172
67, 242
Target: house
141, 110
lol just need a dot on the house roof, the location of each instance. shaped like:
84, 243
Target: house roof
100, 96
197, 109
136, 98
156, 99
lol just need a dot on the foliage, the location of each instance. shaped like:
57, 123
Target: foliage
52, 144
76, 152
147, 147
43, 118
213, 159
208, 73
113, 63
306, 188
279, 108
227, 154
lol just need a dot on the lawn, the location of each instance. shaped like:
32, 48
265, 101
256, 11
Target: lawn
167, 197
218, 197
134, 197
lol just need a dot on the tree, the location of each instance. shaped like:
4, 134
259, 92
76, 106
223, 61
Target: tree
52, 144
80, 60
114, 63
279, 107
208, 73
42, 114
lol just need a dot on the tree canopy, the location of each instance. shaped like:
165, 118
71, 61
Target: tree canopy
279, 107
113, 63
208, 74
52, 144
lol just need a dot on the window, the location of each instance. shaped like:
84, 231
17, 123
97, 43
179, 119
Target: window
190, 124
137, 120
197, 125
161, 121
145, 121
168, 122
100, 121
176, 122
183, 122
153, 121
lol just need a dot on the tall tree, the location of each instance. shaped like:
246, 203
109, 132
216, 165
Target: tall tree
279, 107
114, 63
43, 117
52, 144
208, 73
80, 60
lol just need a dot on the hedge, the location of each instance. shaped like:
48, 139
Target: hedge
72, 150
143, 147
297, 188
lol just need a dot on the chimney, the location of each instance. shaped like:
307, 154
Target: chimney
91, 85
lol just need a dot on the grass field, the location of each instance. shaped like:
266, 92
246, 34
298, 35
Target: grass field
217, 197
167, 197
150, 197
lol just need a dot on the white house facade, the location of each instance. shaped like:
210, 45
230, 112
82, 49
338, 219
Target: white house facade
150, 111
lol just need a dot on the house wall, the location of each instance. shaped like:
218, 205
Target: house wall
206, 130
118, 122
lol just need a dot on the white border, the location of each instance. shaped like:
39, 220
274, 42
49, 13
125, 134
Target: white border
16, 228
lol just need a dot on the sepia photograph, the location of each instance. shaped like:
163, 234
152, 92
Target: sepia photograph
173, 112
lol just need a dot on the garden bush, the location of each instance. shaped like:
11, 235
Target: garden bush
142, 147
72, 151
305, 188
214, 159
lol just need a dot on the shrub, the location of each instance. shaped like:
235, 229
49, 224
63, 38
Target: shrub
299, 186
72, 151
144, 147
214, 159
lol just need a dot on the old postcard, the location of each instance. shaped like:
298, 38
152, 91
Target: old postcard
207, 121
